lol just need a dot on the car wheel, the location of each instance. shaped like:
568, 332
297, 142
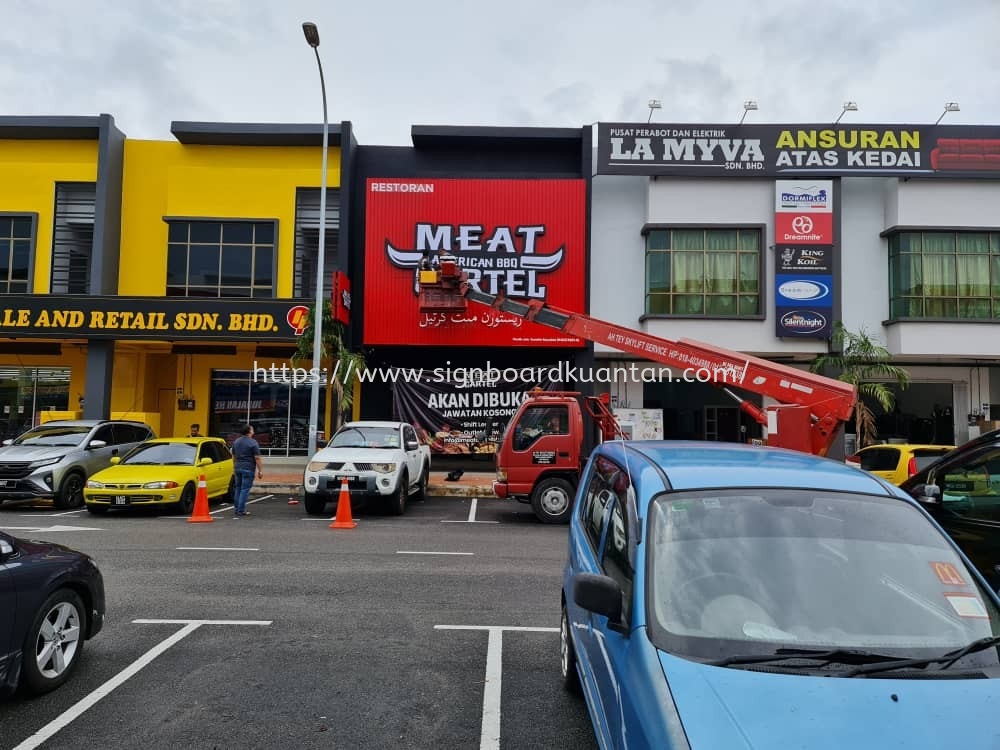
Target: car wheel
567, 656
70, 494
552, 500
54, 643
425, 478
315, 504
185, 505
397, 504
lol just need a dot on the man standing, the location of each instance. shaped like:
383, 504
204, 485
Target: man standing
246, 459
195, 430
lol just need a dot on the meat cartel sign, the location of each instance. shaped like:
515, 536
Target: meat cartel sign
524, 239
798, 150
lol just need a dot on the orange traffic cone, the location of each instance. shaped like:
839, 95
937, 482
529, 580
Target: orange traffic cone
201, 514
343, 519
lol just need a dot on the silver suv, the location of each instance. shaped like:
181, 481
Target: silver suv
55, 459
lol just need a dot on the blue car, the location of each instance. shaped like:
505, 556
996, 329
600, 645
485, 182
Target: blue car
728, 597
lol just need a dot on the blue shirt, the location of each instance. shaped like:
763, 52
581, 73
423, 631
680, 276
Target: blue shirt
245, 448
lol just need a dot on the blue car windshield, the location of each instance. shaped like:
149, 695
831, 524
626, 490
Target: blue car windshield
734, 571
162, 454
365, 437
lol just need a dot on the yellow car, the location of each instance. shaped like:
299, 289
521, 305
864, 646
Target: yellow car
897, 463
163, 472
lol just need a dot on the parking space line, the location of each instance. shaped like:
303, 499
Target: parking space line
225, 549
223, 509
413, 552
472, 514
63, 513
490, 729
77, 709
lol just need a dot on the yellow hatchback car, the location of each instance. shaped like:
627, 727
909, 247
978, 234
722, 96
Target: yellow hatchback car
163, 472
897, 463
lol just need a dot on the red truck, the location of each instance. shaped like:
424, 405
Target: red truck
544, 446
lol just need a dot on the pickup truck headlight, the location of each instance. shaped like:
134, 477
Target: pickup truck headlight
92, 485
384, 468
316, 466
160, 485
45, 462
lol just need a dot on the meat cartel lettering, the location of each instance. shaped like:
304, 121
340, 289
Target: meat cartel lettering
499, 260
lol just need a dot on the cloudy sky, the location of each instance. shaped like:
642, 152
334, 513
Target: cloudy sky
559, 63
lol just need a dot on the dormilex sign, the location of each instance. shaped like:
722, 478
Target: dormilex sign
798, 150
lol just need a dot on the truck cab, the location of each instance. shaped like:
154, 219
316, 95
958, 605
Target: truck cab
541, 454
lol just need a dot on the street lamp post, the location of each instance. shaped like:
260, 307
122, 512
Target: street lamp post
312, 37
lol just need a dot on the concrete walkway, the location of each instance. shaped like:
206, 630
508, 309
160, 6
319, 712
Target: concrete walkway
284, 477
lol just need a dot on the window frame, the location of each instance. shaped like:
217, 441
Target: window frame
271, 294
762, 273
32, 216
893, 237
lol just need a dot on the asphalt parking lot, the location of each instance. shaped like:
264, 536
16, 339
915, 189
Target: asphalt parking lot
436, 629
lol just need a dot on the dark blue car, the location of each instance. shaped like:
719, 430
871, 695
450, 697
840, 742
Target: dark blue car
723, 596
51, 602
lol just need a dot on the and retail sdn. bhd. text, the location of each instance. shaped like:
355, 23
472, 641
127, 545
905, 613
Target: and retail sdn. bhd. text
477, 377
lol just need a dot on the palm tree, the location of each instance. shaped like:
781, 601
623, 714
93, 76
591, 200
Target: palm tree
864, 363
342, 365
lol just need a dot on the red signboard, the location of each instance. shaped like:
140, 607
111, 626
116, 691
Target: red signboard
522, 238
803, 228
341, 298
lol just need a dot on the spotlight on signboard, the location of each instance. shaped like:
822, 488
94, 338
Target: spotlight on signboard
748, 105
653, 104
948, 107
848, 107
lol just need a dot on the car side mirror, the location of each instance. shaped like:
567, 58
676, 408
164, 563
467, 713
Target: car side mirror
205, 461
412, 445
116, 460
8, 441
97, 444
601, 595
6, 550
929, 493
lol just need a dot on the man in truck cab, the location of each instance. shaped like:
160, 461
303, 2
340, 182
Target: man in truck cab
550, 421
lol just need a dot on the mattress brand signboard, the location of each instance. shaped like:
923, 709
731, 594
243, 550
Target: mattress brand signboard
803, 279
728, 150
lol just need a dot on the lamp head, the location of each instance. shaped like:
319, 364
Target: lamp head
850, 106
951, 107
749, 104
312, 34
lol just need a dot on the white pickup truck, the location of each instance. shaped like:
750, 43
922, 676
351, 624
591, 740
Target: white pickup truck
381, 460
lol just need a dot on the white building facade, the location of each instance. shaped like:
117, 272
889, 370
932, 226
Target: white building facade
759, 239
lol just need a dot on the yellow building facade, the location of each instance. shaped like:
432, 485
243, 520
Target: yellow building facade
167, 278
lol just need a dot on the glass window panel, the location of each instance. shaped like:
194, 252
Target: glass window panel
688, 272
907, 274
689, 304
658, 304
264, 233
940, 308
717, 304
206, 231
18, 287
203, 291
237, 233
720, 273
236, 260
939, 276
750, 240
20, 259
176, 291
688, 239
176, 265
996, 308
995, 277
973, 242
658, 272
973, 308
749, 274
263, 266
659, 239
909, 242
995, 242
973, 276
178, 231
749, 304
908, 307
234, 291
21, 228
939, 242
5, 224
203, 265
720, 239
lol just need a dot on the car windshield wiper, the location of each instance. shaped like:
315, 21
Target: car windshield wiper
946, 659
841, 655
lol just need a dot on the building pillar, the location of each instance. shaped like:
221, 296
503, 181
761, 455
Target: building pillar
97, 388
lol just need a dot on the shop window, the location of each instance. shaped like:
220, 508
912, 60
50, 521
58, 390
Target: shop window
220, 258
307, 241
16, 240
713, 273
951, 275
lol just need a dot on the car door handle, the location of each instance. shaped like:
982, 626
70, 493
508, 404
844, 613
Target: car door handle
564, 454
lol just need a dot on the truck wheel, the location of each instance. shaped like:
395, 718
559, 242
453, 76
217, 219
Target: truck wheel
70, 494
425, 478
552, 500
315, 504
397, 503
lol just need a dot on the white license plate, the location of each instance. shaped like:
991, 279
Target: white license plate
8, 483
121, 500
348, 477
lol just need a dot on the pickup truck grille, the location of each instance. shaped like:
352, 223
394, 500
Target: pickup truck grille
14, 470
338, 465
